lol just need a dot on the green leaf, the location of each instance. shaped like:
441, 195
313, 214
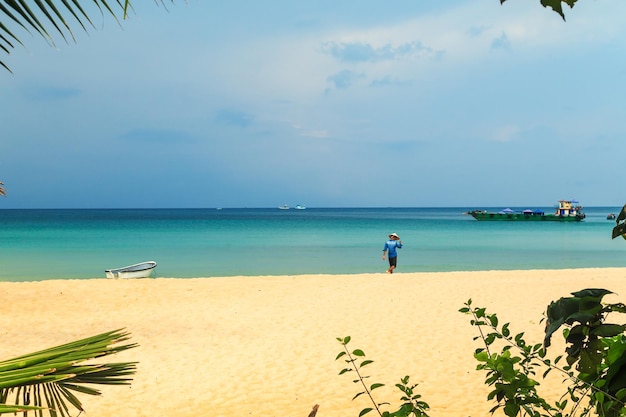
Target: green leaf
358, 395
599, 396
555, 5
505, 330
358, 352
374, 386
619, 230
365, 411
593, 293
584, 307
491, 337
511, 409
621, 394
366, 362
6, 408
608, 330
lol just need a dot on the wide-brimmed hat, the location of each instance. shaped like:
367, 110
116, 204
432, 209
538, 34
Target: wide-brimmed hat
394, 235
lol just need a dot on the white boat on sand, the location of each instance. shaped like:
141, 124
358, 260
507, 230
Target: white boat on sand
140, 270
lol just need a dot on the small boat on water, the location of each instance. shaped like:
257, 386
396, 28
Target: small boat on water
610, 216
567, 211
299, 207
140, 270
283, 207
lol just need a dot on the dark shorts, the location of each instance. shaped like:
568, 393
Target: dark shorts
393, 261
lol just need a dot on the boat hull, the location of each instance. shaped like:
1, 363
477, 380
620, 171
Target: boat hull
523, 217
140, 270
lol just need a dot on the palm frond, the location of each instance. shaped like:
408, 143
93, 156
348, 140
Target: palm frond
45, 16
47, 379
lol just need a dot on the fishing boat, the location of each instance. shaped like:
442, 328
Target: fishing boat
299, 207
140, 270
566, 211
283, 207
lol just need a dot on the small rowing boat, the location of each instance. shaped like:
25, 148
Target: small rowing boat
140, 270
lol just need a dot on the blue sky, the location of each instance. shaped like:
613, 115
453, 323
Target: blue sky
419, 103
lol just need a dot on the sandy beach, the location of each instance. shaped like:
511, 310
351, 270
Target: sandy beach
266, 346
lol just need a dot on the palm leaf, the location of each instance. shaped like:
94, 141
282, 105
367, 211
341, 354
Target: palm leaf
44, 16
48, 379
4, 409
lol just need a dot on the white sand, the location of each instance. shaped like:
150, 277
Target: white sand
266, 346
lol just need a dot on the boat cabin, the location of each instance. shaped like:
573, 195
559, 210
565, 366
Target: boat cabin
567, 208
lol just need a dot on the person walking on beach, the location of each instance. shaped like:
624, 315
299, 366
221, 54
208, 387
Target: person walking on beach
391, 245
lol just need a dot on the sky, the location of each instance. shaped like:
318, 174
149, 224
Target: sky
411, 103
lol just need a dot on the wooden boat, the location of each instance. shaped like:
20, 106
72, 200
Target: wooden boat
567, 211
140, 270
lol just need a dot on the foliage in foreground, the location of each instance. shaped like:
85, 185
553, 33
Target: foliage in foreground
594, 371
47, 17
47, 380
620, 224
556, 5
355, 361
595, 355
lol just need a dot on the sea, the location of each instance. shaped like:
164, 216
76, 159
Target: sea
38, 245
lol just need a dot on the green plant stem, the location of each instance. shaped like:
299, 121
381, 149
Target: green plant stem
361, 379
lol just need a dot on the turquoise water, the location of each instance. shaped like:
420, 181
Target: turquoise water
80, 244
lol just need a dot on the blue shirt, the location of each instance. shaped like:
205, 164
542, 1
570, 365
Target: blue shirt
391, 245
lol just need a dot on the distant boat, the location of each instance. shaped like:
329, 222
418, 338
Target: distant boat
610, 216
283, 207
299, 207
140, 270
566, 211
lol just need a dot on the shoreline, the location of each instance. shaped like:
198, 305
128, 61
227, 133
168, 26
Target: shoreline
266, 345
322, 274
